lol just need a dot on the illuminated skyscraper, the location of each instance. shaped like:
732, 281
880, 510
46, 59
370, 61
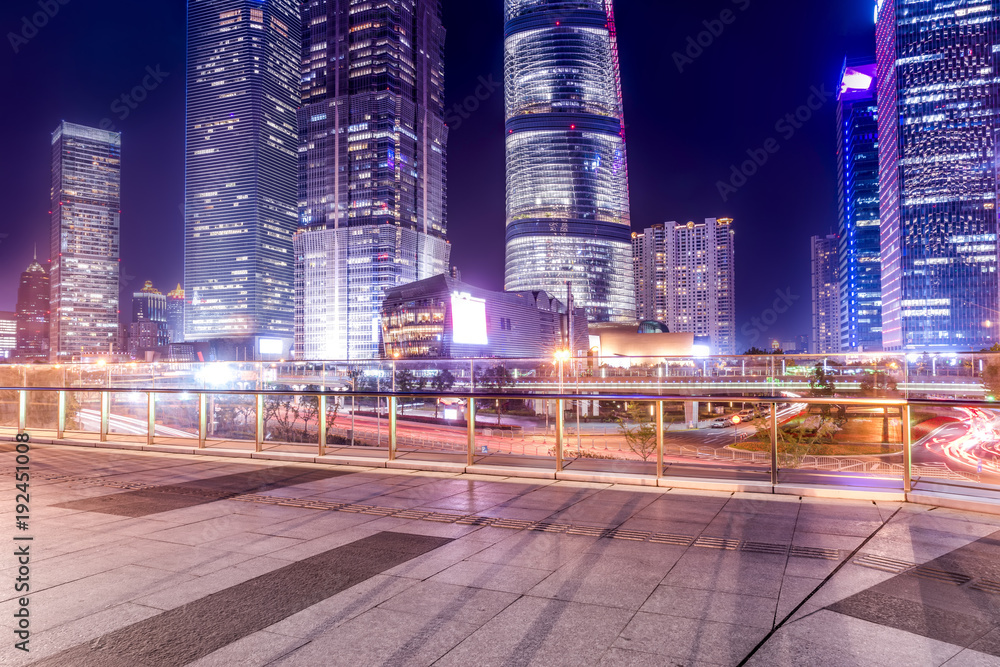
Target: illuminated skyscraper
148, 329
86, 206
243, 73
825, 295
567, 175
175, 314
372, 198
33, 314
938, 102
860, 242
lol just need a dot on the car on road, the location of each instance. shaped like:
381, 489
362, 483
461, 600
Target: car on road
722, 422
747, 415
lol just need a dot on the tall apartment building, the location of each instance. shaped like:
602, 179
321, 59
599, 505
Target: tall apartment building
651, 274
567, 173
8, 335
825, 295
858, 187
686, 278
241, 171
372, 199
938, 104
33, 293
84, 241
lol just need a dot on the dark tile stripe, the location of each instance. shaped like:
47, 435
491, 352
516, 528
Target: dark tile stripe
183, 635
189, 494
949, 608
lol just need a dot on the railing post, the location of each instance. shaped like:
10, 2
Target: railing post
105, 414
470, 419
150, 417
322, 424
259, 435
560, 419
907, 449
61, 420
22, 410
392, 428
202, 420
774, 444
659, 439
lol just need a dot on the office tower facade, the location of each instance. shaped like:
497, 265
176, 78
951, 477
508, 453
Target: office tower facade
699, 266
175, 314
84, 241
241, 170
33, 314
858, 186
938, 108
567, 173
372, 199
8, 335
650, 270
825, 294
148, 328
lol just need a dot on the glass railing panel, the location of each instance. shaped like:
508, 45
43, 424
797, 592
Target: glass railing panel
42, 410
956, 449
83, 411
724, 440
847, 445
231, 419
128, 414
608, 437
291, 422
176, 417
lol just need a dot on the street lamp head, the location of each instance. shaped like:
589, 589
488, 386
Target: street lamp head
562, 355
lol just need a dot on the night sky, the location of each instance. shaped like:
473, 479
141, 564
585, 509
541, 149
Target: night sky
684, 130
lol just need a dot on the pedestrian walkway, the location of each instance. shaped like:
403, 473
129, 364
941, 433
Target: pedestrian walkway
144, 558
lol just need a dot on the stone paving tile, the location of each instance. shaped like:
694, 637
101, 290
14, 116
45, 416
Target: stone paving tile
605, 580
197, 588
538, 631
426, 566
864, 641
777, 529
539, 550
729, 571
469, 503
382, 637
313, 524
793, 591
83, 597
688, 639
782, 650
757, 503
617, 657
328, 614
259, 649
709, 605
252, 543
491, 576
448, 602
970, 658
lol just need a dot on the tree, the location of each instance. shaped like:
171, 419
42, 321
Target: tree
640, 438
442, 383
405, 383
497, 379
755, 352
821, 385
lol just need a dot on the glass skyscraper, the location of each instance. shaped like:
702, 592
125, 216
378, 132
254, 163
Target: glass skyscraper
241, 180
33, 314
857, 180
567, 175
372, 197
937, 125
86, 207
825, 294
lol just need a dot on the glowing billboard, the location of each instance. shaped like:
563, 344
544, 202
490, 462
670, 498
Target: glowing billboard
858, 82
270, 346
468, 318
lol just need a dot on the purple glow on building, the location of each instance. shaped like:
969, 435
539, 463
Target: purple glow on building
857, 82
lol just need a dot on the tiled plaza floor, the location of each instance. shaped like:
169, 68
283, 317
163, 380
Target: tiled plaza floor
154, 560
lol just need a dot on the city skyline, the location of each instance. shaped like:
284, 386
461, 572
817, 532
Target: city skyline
696, 160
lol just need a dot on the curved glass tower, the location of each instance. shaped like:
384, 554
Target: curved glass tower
567, 177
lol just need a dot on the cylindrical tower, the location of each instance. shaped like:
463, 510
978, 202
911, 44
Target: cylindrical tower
567, 175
